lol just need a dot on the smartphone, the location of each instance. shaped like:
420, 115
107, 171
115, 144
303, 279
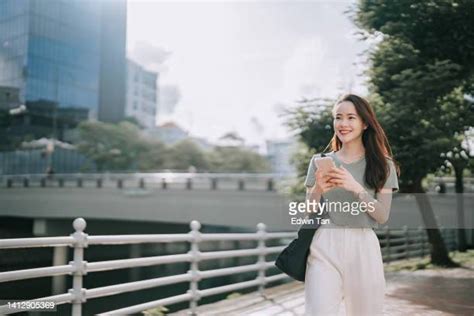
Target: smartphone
324, 163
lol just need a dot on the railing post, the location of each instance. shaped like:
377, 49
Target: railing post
79, 182
422, 239
455, 239
442, 232
189, 184
80, 268
407, 241
26, 182
9, 183
261, 256
99, 183
270, 184
241, 185
141, 183
163, 184
387, 244
449, 239
194, 271
214, 184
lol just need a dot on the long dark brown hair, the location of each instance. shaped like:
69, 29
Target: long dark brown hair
377, 148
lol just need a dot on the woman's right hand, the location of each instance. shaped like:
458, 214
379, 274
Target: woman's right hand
322, 181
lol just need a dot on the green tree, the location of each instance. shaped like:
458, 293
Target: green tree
296, 188
312, 120
111, 146
153, 157
185, 154
234, 159
134, 121
420, 74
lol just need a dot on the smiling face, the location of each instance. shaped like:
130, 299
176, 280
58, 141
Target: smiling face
348, 125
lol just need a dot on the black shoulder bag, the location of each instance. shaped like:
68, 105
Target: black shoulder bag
292, 260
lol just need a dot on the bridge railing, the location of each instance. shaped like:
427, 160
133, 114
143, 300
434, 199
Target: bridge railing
409, 243
186, 180
163, 180
79, 240
396, 244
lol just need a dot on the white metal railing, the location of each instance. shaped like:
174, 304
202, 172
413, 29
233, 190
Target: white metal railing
396, 244
404, 243
78, 268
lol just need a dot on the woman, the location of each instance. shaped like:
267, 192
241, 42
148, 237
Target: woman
345, 261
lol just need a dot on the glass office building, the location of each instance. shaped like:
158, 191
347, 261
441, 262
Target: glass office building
53, 52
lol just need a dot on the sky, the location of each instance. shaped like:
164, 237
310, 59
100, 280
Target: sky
238, 64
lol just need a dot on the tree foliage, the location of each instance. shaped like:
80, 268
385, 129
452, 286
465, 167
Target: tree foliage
234, 159
420, 74
184, 154
312, 121
111, 146
122, 147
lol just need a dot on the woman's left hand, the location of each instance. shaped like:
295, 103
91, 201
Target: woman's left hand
342, 178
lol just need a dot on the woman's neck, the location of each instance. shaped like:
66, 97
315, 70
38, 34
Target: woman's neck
352, 150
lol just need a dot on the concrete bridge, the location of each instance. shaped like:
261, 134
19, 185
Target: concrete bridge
230, 200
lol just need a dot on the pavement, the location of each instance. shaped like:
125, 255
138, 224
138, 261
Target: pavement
423, 292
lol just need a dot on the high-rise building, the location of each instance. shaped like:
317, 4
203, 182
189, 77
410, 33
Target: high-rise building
142, 95
113, 63
67, 60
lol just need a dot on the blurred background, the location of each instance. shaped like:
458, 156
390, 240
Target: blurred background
141, 116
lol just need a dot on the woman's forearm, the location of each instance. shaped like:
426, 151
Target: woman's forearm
380, 212
379, 209
313, 193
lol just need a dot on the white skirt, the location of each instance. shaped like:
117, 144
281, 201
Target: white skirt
344, 264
